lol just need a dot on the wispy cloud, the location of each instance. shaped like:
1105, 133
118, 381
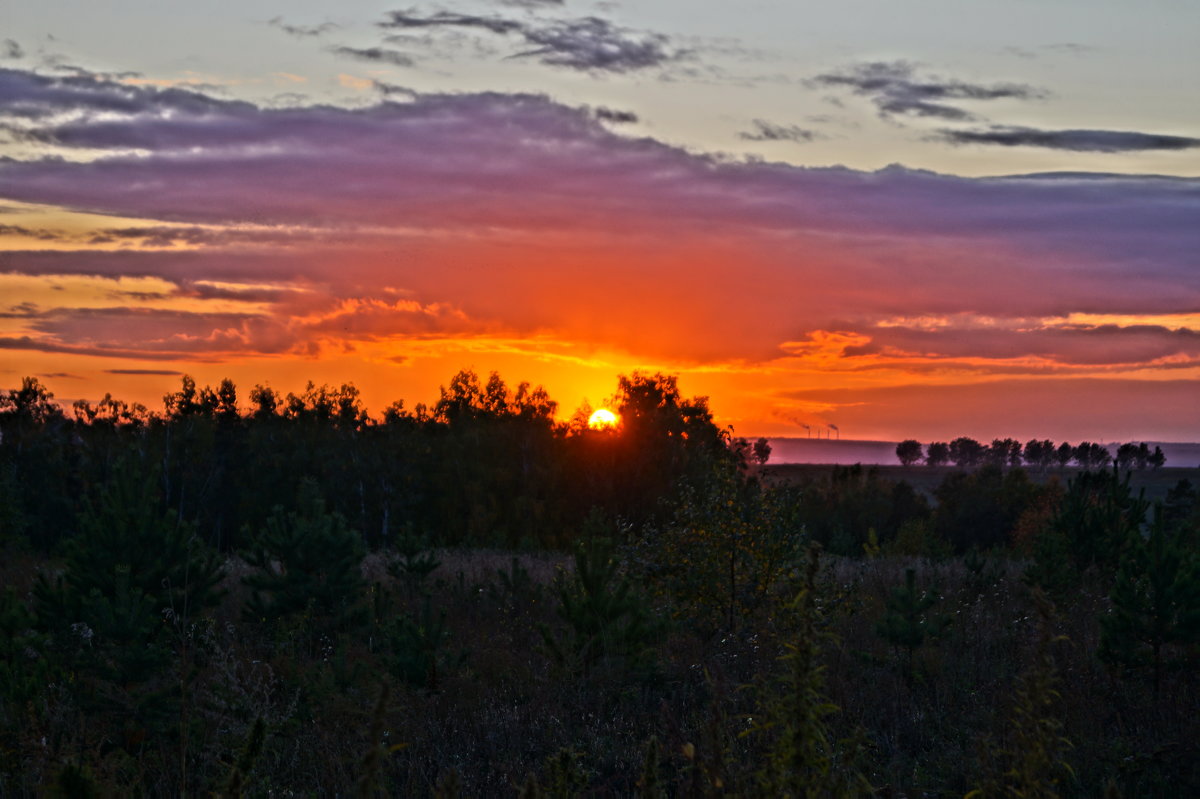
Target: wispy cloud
20, 230
381, 55
586, 44
896, 90
615, 116
303, 31
769, 131
1063, 48
155, 372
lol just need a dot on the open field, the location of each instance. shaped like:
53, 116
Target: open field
926, 479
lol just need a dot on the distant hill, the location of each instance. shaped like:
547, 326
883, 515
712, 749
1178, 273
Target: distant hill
883, 453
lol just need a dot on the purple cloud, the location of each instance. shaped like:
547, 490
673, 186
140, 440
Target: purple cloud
458, 199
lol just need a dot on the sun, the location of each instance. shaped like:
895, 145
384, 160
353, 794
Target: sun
602, 419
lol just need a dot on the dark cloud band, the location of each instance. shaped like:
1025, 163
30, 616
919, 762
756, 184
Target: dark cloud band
1091, 141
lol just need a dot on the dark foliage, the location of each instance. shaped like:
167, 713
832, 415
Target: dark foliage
306, 562
981, 508
364, 635
1155, 619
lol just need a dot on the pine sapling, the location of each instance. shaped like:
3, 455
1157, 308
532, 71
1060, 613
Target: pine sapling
1031, 762
606, 619
1155, 604
907, 622
803, 760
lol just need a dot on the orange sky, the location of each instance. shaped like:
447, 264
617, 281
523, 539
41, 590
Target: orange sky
394, 244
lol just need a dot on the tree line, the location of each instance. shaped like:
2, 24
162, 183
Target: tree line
487, 464
968, 453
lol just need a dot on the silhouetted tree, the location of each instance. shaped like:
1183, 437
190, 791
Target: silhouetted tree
1127, 457
938, 454
125, 524
133, 575
1038, 453
1064, 454
909, 452
1004, 452
966, 453
40, 465
1092, 456
664, 440
762, 451
1157, 458
606, 617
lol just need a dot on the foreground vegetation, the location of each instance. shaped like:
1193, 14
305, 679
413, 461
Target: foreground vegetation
473, 600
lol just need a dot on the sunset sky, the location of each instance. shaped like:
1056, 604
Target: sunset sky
907, 218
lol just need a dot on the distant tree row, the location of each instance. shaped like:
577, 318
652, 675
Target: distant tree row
969, 453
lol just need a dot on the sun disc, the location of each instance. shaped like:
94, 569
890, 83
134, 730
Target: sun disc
602, 419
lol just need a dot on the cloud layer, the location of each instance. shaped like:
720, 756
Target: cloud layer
509, 218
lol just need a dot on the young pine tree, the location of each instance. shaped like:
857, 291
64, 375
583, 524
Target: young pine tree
907, 621
1098, 518
131, 564
1155, 604
127, 536
606, 619
306, 561
802, 760
1030, 760
415, 560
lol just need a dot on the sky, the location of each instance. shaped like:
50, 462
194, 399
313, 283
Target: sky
896, 218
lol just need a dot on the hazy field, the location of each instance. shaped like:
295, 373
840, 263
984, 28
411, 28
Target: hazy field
926, 479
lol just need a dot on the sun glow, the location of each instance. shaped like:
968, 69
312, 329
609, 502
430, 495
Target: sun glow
602, 419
